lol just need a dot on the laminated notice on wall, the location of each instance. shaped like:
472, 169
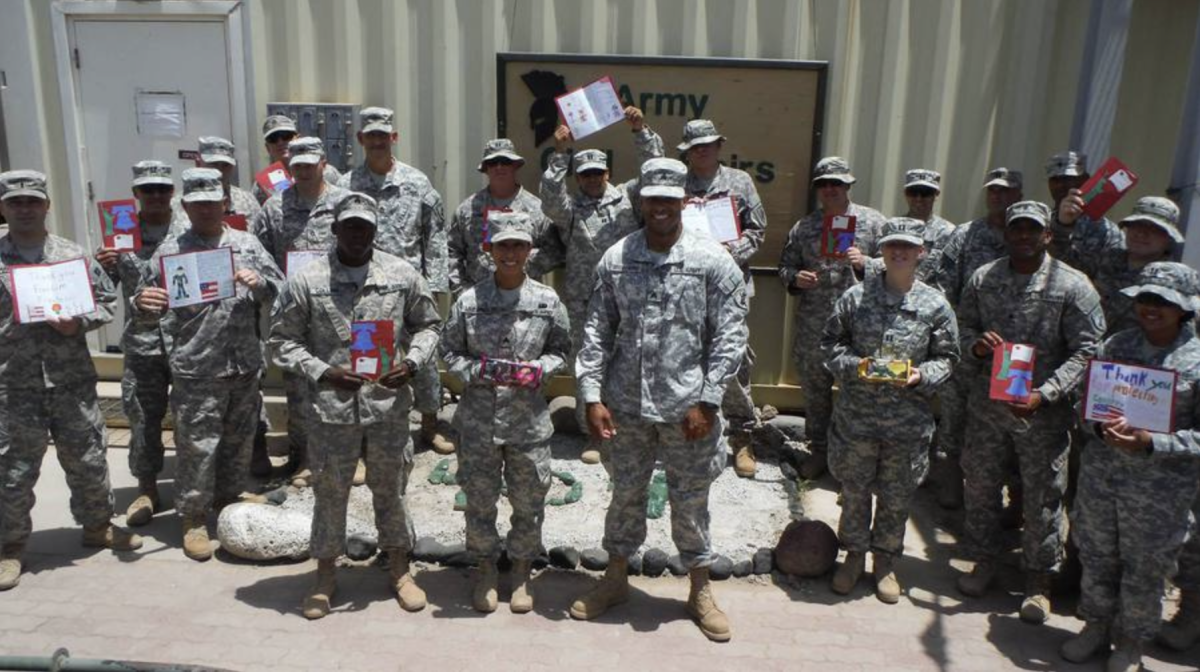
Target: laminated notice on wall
160, 114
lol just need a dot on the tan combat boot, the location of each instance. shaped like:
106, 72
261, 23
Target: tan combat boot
977, 582
522, 593
10, 566
591, 452
1035, 608
887, 586
485, 595
612, 590
316, 603
703, 608
1091, 640
302, 478
744, 463
847, 576
441, 444
195, 538
1126, 655
108, 535
142, 509
360, 473
408, 593
1182, 631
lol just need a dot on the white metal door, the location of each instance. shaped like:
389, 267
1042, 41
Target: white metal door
146, 90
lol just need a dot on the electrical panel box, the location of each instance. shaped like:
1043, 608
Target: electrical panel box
334, 123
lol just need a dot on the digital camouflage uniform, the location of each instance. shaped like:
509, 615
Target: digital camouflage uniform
48, 386
1056, 311
884, 454
310, 333
588, 227
279, 123
505, 430
665, 332
1132, 511
801, 252
412, 227
216, 361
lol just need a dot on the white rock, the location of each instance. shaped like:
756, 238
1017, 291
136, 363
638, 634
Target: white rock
264, 532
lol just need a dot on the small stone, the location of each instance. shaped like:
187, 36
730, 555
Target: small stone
807, 548
562, 415
456, 555
721, 568
428, 549
654, 562
594, 559
675, 565
792, 425
764, 561
635, 564
360, 547
564, 557
542, 561
743, 569
277, 496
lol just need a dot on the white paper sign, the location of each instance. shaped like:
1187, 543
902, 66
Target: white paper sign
60, 289
298, 259
1145, 397
198, 277
592, 108
367, 366
1121, 181
161, 114
716, 219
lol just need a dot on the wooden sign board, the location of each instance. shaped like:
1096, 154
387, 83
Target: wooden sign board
769, 111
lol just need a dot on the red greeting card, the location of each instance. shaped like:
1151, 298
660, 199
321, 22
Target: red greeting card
837, 235
487, 233
119, 225
373, 348
1112, 181
1012, 373
236, 221
274, 178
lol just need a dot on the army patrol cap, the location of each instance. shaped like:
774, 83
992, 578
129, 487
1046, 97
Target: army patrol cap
278, 123
1003, 177
500, 148
376, 120
1168, 280
16, 183
504, 226
664, 178
1067, 164
356, 205
216, 150
152, 172
590, 159
833, 168
202, 184
1035, 210
902, 230
699, 132
920, 177
305, 150
1162, 212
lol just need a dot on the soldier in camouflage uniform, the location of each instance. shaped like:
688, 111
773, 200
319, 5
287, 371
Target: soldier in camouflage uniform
1078, 239
818, 281
1151, 233
411, 226
589, 223
299, 218
48, 386
218, 154
278, 133
216, 359
922, 188
470, 262
891, 316
312, 331
972, 245
504, 426
666, 333
147, 377
1033, 299
1136, 488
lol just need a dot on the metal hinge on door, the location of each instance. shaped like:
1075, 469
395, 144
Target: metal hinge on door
75, 54
91, 194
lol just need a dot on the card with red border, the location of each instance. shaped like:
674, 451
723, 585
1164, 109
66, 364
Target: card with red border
119, 225
837, 235
1012, 373
1102, 191
373, 348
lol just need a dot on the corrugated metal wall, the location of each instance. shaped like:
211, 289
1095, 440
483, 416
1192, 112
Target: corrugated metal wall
955, 86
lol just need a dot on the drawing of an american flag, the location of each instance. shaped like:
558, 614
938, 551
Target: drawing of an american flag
209, 290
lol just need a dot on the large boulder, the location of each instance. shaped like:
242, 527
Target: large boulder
264, 532
806, 548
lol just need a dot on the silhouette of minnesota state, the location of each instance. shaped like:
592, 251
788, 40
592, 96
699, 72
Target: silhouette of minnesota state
543, 114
